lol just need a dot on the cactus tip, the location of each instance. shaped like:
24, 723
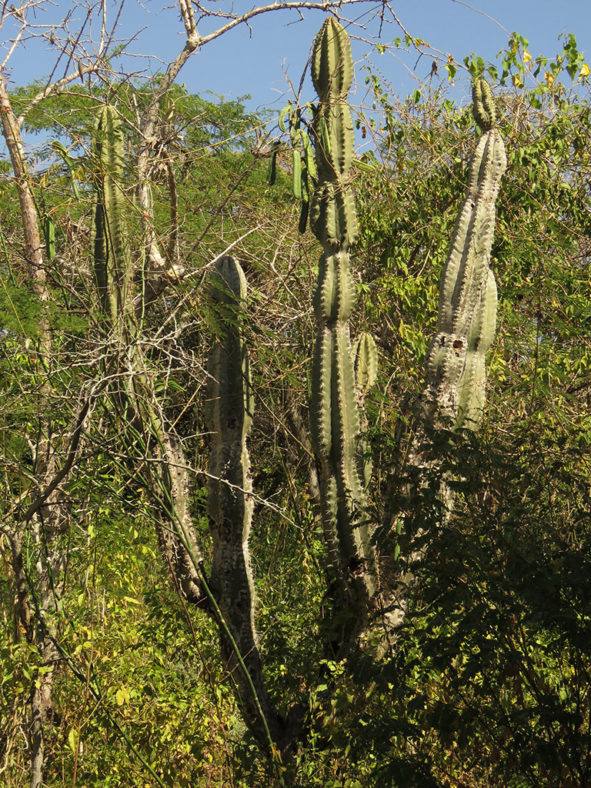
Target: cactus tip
483, 104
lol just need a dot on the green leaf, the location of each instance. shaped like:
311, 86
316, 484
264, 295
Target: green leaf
73, 738
122, 696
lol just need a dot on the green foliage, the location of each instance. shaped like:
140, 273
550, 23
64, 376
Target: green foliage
496, 651
20, 310
488, 684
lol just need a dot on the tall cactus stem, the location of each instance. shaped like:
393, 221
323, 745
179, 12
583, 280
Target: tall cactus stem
112, 258
142, 418
456, 376
333, 406
229, 415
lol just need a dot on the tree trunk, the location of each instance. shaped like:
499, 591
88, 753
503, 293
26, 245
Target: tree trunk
47, 520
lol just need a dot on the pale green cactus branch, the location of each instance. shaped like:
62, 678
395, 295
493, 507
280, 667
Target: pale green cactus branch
456, 376
483, 104
365, 354
332, 62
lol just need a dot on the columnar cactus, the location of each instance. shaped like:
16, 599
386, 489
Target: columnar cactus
334, 414
112, 259
456, 374
333, 218
229, 421
365, 354
229, 414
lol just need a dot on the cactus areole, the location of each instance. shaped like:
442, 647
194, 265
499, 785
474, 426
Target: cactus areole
334, 414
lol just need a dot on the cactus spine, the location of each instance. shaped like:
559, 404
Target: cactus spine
112, 259
229, 415
334, 414
456, 375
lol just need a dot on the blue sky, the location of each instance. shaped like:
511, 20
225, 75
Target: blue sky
253, 62
256, 62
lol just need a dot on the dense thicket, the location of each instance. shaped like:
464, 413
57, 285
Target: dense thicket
488, 682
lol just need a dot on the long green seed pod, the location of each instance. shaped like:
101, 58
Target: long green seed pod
49, 232
57, 146
333, 406
229, 415
112, 258
456, 375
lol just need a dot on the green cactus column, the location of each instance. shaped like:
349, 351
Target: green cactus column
455, 369
112, 257
334, 414
365, 354
229, 416
456, 375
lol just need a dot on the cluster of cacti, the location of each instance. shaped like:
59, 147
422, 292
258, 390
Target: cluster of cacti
334, 413
112, 258
456, 373
340, 378
229, 417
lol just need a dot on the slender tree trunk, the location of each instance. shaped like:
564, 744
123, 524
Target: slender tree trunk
32, 236
47, 522
41, 709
